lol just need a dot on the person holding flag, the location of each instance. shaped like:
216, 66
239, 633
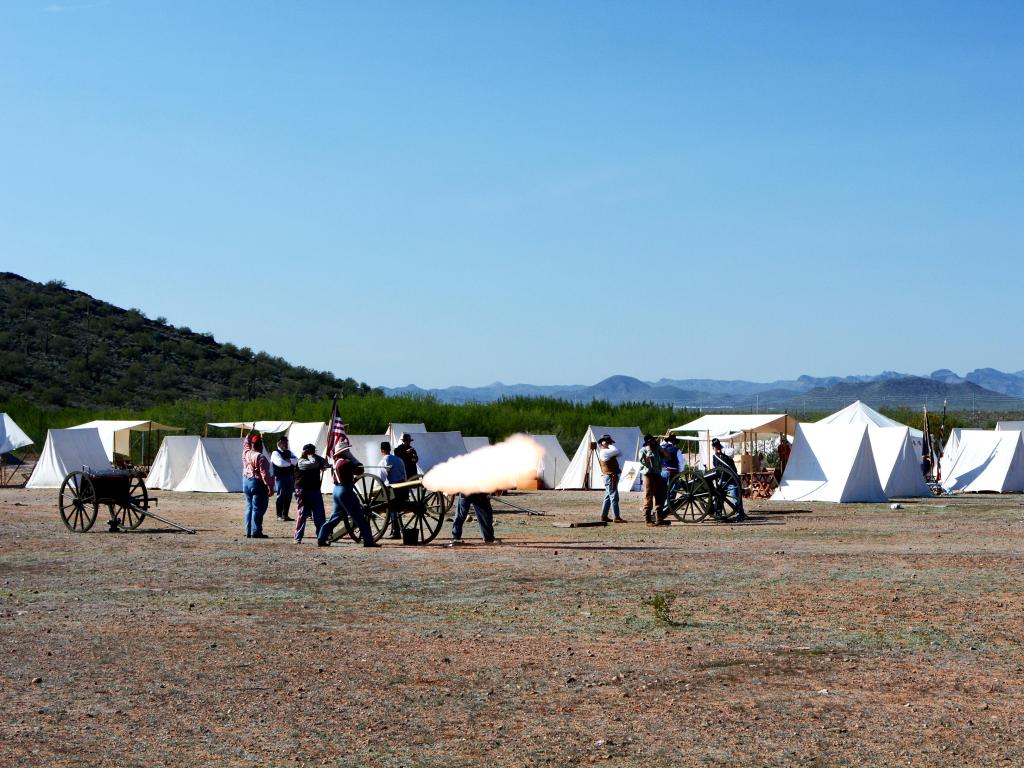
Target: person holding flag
345, 468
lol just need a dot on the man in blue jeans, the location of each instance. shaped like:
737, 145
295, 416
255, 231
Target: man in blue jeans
257, 485
481, 502
346, 503
608, 459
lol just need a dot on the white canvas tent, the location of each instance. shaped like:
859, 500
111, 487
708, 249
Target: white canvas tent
859, 413
554, 463
584, 471
435, 447
472, 443
394, 432
172, 461
1001, 426
366, 448
898, 464
301, 433
985, 461
67, 450
831, 462
215, 466
116, 435
11, 436
631, 480
952, 448
260, 426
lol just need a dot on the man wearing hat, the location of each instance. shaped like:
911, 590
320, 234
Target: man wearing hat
654, 484
407, 454
308, 498
608, 459
730, 478
284, 462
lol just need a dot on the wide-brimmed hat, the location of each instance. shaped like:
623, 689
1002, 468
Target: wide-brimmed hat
406, 436
648, 439
605, 439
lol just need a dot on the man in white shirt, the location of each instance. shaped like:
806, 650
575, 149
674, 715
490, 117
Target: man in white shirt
608, 458
284, 462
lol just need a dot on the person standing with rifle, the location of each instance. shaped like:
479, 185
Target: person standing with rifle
608, 459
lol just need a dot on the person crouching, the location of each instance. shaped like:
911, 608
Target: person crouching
308, 497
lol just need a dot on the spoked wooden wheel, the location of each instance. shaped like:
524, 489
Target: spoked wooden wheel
78, 504
126, 516
690, 497
372, 496
425, 511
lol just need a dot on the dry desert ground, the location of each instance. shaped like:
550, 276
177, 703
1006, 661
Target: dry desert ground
816, 635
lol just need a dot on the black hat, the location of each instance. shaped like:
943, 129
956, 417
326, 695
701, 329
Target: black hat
606, 438
716, 443
309, 447
648, 439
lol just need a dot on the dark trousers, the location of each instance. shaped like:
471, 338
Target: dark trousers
655, 487
346, 503
285, 489
481, 503
310, 504
399, 501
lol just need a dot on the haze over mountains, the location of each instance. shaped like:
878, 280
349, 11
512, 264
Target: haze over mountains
983, 389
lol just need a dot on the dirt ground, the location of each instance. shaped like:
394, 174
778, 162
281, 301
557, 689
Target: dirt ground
814, 635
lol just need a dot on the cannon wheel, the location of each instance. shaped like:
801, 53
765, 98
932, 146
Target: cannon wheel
690, 497
138, 497
77, 502
373, 498
425, 511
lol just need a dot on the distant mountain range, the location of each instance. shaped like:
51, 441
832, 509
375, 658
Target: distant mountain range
982, 389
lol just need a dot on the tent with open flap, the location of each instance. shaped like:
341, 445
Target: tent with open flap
116, 435
831, 462
66, 451
584, 471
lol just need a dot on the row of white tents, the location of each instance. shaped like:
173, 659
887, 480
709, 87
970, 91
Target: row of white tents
190, 463
856, 454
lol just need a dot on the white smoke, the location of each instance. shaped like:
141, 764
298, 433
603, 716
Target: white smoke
508, 464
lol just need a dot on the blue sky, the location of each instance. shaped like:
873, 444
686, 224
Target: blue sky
544, 192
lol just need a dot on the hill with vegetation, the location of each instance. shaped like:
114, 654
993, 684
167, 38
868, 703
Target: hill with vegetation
61, 347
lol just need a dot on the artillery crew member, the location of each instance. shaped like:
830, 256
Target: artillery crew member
308, 475
608, 459
257, 485
730, 478
394, 472
284, 462
408, 455
345, 470
481, 503
654, 483
671, 459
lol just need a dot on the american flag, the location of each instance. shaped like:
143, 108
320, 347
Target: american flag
336, 432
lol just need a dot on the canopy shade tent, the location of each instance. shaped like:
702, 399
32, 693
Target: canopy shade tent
985, 461
259, 426
736, 427
215, 466
11, 436
116, 435
897, 462
65, 451
584, 471
831, 462
172, 461
554, 463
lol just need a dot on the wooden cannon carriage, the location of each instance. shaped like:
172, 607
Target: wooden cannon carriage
419, 510
123, 492
695, 495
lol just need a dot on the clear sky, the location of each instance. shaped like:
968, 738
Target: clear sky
543, 192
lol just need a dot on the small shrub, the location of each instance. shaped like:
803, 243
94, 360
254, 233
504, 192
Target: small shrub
660, 604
